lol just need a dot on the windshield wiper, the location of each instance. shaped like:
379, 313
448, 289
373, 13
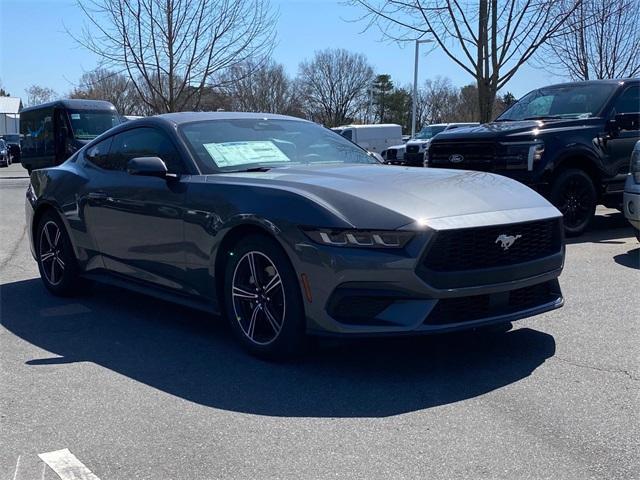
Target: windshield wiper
544, 117
252, 169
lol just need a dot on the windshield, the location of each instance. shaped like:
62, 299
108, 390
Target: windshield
427, 132
567, 101
11, 138
251, 143
88, 124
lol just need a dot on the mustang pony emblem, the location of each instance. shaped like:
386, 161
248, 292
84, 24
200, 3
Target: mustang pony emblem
506, 241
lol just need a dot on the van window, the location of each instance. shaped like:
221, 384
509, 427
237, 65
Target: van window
347, 133
88, 124
37, 128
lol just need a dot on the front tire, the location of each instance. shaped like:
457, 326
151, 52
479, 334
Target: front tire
262, 299
56, 260
574, 194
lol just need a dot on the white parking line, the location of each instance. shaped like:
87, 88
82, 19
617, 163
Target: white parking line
67, 466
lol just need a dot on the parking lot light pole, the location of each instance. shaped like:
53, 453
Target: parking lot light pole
415, 87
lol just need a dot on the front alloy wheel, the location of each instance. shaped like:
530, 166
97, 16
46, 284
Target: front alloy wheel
259, 302
262, 298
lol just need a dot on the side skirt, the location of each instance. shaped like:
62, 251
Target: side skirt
153, 291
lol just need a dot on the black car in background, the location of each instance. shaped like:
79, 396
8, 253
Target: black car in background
570, 142
5, 158
13, 144
52, 132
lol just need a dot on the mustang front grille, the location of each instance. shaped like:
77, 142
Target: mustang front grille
493, 246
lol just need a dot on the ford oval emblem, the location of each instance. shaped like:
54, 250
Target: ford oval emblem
456, 158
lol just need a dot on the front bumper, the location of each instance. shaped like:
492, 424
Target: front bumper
360, 292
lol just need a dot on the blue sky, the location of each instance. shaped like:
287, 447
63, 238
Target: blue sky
35, 48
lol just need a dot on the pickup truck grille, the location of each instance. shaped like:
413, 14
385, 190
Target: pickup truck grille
479, 248
413, 148
475, 155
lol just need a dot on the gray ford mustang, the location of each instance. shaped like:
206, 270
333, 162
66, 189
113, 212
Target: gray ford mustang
288, 229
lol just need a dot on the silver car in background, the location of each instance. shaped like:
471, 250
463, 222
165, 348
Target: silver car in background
631, 200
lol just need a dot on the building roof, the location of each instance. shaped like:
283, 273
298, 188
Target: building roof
10, 104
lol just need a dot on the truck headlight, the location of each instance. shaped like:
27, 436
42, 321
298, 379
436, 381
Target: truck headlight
425, 159
358, 238
519, 155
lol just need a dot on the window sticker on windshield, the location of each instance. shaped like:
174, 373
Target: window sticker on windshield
75, 116
230, 154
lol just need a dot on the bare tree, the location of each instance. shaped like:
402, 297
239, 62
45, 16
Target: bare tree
602, 41
117, 88
334, 85
170, 49
261, 88
37, 95
440, 101
489, 39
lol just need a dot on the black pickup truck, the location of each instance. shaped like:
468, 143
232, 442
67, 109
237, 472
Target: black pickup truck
571, 142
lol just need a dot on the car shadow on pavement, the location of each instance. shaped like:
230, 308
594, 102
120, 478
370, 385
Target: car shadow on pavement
190, 355
610, 227
630, 259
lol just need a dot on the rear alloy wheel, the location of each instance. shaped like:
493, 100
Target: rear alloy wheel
574, 194
56, 260
263, 300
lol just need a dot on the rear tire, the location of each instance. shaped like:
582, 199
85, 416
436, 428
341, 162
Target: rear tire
262, 299
56, 260
574, 194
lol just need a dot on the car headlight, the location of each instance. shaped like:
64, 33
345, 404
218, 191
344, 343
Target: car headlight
359, 238
634, 167
3, 152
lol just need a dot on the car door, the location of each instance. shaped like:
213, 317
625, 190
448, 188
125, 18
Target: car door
137, 221
620, 146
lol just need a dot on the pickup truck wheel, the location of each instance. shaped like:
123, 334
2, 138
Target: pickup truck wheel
574, 194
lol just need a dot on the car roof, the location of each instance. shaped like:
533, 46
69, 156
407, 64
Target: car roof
605, 81
188, 117
73, 103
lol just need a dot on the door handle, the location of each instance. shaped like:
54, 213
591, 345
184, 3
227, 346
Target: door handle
97, 196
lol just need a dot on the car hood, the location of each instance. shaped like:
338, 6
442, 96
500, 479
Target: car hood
386, 197
418, 142
516, 129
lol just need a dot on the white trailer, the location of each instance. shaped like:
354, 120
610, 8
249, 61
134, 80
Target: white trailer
374, 138
10, 115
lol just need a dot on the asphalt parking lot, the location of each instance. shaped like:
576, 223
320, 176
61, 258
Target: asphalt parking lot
139, 389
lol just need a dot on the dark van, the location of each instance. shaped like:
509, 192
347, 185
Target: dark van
52, 132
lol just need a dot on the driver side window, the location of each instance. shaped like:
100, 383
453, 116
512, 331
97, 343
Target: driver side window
145, 142
629, 101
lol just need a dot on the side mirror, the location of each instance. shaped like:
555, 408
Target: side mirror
147, 167
628, 121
